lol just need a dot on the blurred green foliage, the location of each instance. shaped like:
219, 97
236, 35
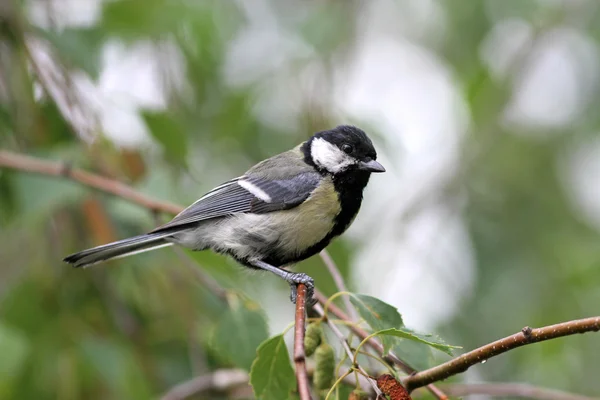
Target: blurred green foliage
135, 328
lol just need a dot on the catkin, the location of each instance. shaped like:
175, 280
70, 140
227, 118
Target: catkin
312, 338
324, 367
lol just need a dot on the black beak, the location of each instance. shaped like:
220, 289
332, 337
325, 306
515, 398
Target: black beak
371, 166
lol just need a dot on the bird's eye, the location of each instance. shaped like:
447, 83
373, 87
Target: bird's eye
348, 149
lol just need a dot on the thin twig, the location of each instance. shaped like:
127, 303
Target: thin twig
339, 281
336, 331
220, 380
56, 81
526, 336
519, 390
374, 344
416, 380
30, 164
299, 354
107, 185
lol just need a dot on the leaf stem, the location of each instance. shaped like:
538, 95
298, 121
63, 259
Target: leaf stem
337, 382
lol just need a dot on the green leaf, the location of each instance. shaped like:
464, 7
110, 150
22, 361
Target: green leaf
14, 349
32, 205
239, 333
5, 121
134, 19
78, 46
379, 315
272, 376
416, 354
8, 203
117, 366
429, 340
169, 133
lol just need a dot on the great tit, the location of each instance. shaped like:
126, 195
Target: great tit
283, 210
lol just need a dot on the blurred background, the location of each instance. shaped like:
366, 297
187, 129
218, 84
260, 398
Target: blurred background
485, 114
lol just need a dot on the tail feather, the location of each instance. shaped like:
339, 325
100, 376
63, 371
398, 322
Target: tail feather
122, 248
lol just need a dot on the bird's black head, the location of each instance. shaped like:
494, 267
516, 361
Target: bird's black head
340, 150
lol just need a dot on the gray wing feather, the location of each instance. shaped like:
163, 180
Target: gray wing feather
231, 198
284, 193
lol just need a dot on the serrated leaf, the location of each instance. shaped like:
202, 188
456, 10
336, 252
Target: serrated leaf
416, 354
272, 376
379, 315
429, 340
169, 133
239, 333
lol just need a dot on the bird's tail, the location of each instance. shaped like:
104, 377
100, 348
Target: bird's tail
122, 248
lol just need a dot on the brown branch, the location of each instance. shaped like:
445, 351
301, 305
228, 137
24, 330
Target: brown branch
111, 186
526, 336
299, 354
520, 390
107, 185
416, 380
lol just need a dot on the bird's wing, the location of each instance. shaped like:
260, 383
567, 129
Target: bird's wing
247, 194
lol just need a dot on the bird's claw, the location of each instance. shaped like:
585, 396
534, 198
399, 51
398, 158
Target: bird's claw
297, 278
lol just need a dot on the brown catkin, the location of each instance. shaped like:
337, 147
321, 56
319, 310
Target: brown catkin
324, 367
392, 388
312, 338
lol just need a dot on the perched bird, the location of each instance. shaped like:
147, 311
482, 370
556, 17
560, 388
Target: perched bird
283, 210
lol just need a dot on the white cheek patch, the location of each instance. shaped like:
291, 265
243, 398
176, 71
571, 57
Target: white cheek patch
329, 156
255, 190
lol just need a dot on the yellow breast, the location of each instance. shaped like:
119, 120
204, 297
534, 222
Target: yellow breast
316, 217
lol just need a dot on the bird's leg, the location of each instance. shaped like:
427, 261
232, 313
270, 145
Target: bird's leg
293, 278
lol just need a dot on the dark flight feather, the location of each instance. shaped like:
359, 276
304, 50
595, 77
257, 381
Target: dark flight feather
231, 198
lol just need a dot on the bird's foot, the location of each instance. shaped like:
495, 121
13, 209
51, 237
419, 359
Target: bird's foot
294, 280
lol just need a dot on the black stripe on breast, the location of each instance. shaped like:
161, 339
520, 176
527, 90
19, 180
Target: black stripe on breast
349, 187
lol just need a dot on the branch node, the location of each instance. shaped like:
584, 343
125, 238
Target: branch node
527, 332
